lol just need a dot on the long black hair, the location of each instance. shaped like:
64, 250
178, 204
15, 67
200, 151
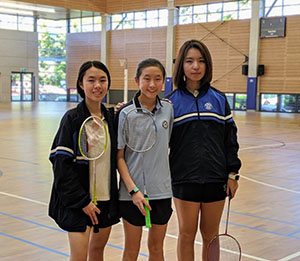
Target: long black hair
84, 67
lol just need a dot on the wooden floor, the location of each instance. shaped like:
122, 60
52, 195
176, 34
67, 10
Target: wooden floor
265, 215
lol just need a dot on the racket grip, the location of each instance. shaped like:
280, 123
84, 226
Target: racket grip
147, 218
96, 229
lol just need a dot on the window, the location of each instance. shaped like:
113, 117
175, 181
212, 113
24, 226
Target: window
269, 102
87, 24
185, 15
8, 22
240, 101
230, 10
287, 103
25, 23
282, 7
152, 18
141, 19
230, 99
52, 26
214, 12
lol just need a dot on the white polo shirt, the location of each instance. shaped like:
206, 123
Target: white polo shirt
155, 162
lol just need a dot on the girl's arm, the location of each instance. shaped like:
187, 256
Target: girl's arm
138, 197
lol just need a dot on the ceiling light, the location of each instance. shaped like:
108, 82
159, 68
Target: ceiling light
27, 7
11, 11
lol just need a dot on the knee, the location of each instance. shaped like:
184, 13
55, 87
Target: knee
187, 237
207, 236
155, 249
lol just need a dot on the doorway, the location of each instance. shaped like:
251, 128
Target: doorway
22, 86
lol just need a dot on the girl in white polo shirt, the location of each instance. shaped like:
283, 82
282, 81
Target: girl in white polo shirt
150, 76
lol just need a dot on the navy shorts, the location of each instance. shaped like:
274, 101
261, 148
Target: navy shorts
160, 213
209, 192
104, 219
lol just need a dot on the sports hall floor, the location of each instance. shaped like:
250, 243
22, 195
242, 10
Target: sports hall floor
264, 217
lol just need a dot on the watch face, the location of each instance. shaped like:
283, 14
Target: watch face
237, 177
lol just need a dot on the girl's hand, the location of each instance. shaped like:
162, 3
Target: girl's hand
232, 186
91, 211
119, 106
139, 200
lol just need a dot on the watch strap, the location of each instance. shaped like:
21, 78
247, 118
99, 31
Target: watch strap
135, 190
234, 176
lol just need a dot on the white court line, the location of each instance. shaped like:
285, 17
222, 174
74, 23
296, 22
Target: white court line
145, 229
275, 145
269, 185
290, 256
27, 199
226, 250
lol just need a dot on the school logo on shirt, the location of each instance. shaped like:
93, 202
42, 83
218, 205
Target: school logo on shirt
208, 106
165, 124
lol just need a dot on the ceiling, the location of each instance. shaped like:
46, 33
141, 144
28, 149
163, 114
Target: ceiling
42, 11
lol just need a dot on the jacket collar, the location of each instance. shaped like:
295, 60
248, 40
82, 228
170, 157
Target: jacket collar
85, 111
202, 90
138, 104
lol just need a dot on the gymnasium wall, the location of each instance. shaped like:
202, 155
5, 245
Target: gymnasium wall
17, 50
227, 42
80, 47
281, 57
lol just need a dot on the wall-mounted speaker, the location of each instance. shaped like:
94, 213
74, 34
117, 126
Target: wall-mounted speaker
260, 70
245, 69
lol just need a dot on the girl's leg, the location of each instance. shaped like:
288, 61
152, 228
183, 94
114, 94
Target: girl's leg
97, 244
133, 236
156, 242
187, 215
79, 242
211, 214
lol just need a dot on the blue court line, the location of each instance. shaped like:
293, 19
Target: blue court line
34, 244
32, 222
262, 230
265, 218
294, 233
52, 228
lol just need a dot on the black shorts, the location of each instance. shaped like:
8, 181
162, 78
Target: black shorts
160, 213
209, 192
104, 219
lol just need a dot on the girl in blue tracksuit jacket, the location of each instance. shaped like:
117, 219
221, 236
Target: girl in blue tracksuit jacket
203, 149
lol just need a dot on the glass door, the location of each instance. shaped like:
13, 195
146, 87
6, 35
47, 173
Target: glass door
22, 86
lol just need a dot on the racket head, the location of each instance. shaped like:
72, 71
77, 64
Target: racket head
224, 247
139, 130
93, 138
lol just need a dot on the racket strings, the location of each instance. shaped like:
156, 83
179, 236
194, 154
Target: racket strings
223, 248
93, 139
139, 131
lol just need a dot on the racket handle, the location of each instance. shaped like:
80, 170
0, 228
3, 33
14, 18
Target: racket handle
147, 218
96, 229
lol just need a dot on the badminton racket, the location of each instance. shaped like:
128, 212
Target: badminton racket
92, 141
139, 135
224, 247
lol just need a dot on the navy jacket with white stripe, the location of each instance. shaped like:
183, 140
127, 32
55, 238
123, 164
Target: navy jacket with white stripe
203, 145
70, 191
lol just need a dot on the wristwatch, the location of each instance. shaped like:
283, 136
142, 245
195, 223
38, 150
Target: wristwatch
135, 190
234, 176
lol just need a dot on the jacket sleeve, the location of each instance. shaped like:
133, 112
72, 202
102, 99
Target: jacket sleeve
66, 179
231, 142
